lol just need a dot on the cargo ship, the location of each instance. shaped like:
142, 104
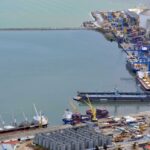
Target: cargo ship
144, 79
75, 118
112, 96
133, 65
39, 120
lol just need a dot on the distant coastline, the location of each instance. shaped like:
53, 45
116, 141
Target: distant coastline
42, 28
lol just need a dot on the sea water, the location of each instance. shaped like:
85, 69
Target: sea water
47, 68
56, 13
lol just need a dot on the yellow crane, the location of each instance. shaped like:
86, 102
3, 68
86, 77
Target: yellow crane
92, 109
74, 107
40, 122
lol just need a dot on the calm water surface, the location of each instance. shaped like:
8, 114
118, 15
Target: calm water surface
56, 13
48, 68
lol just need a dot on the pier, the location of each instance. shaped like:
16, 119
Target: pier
112, 96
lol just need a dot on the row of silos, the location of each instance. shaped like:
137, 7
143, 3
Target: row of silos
79, 138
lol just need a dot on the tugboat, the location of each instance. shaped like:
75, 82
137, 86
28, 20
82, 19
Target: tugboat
39, 120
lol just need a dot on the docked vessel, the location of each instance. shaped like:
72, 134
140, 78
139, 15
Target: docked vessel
112, 96
67, 117
100, 113
133, 65
144, 80
74, 118
136, 62
39, 120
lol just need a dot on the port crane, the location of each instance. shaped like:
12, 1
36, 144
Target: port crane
92, 109
141, 58
38, 116
74, 107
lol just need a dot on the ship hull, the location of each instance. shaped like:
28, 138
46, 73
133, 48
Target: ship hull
131, 67
77, 119
66, 121
22, 128
143, 85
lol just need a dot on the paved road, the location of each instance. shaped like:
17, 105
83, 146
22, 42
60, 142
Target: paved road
25, 133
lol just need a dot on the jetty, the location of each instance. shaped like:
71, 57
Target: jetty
112, 96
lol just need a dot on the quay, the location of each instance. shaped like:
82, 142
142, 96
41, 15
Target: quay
112, 96
131, 30
19, 134
112, 132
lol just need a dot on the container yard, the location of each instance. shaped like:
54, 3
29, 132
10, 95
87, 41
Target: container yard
130, 29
